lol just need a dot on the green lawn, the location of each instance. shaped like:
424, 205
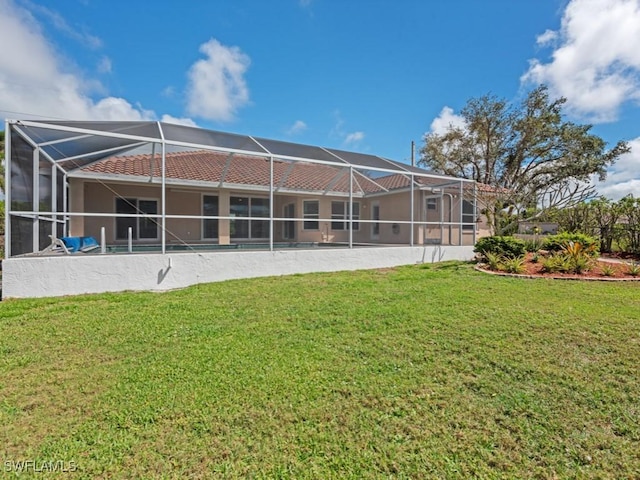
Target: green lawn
415, 372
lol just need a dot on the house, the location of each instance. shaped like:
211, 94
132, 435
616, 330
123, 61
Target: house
311, 202
157, 187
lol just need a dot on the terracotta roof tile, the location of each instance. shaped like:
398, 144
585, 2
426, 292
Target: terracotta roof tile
208, 166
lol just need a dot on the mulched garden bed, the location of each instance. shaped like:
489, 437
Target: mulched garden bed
534, 269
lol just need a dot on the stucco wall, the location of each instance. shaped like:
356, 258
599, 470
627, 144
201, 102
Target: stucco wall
77, 274
393, 207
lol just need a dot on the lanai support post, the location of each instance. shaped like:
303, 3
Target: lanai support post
54, 200
271, 203
350, 206
163, 222
7, 190
36, 200
412, 210
65, 194
461, 226
475, 210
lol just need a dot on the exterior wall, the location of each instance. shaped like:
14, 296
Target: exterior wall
76, 204
394, 208
77, 274
100, 198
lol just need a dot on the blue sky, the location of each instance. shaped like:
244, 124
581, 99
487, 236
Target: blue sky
368, 76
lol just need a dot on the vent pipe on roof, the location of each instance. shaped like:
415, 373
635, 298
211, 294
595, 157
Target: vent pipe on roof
413, 153
152, 161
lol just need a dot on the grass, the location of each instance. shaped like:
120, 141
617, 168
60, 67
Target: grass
416, 372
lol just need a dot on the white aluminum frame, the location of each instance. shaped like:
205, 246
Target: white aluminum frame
139, 140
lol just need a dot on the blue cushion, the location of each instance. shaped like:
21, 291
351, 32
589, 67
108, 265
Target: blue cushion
76, 244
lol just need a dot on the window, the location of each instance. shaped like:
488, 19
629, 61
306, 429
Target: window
143, 228
340, 215
210, 209
468, 215
311, 210
249, 207
289, 226
432, 203
375, 215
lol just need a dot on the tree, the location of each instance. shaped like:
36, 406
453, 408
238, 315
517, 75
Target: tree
528, 157
630, 212
606, 215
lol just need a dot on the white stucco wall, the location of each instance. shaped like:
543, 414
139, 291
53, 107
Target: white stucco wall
76, 274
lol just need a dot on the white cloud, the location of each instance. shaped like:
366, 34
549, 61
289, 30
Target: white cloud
58, 21
547, 37
169, 91
596, 65
298, 127
446, 119
104, 66
353, 138
217, 88
178, 121
338, 131
624, 177
113, 108
35, 82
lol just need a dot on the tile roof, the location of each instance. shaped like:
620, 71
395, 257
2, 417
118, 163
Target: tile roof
216, 167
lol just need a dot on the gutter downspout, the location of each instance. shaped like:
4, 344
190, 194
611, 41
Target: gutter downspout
450, 214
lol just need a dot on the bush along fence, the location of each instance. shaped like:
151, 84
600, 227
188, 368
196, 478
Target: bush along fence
616, 224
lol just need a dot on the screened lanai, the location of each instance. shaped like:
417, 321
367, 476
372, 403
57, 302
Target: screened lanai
158, 187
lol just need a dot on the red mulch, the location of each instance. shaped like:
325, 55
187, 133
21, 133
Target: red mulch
620, 270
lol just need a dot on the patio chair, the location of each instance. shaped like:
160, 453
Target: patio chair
71, 244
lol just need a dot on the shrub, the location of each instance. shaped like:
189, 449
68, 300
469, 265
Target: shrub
633, 269
579, 264
557, 243
494, 261
514, 265
608, 271
533, 245
574, 258
508, 247
555, 263
578, 256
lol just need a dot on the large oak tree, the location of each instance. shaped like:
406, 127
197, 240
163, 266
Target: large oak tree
528, 155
